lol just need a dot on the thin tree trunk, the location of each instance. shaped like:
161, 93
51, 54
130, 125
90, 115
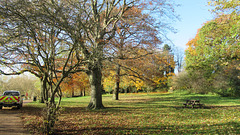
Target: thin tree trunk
73, 92
95, 77
117, 84
42, 94
84, 94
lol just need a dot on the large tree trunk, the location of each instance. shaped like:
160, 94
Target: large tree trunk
117, 84
95, 78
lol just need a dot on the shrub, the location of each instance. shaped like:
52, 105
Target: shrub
180, 81
194, 81
226, 81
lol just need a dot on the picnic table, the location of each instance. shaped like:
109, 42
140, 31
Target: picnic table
193, 103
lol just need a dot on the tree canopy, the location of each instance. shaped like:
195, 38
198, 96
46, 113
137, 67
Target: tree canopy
214, 52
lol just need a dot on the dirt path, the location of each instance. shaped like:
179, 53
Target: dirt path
11, 123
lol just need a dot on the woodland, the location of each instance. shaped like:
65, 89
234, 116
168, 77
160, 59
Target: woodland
78, 48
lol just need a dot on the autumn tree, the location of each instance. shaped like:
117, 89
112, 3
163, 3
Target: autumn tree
130, 42
137, 36
76, 83
91, 25
143, 73
215, 47
32, 42
151, 71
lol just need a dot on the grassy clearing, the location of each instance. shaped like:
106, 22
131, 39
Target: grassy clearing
143, 114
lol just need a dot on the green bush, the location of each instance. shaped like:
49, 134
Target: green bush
226, 81
194, 81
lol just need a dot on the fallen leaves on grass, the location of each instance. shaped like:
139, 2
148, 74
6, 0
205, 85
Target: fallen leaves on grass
150, 116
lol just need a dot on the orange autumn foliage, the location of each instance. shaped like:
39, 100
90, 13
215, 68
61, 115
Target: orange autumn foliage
76, 83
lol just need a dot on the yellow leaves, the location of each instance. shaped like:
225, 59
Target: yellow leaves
163, 80
125, 81
153, 69
139, 84
109, 81
191, 51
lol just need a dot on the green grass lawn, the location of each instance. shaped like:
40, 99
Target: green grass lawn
143, 114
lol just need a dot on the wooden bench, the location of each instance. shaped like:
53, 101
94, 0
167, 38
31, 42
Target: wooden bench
193, 103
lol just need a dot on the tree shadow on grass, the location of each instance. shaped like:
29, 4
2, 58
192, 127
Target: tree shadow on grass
177, 103
133, 104
221, 128
136, 107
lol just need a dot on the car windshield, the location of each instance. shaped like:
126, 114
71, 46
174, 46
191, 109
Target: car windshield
11, 94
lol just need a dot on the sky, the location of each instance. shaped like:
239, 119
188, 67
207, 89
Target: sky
193, 14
